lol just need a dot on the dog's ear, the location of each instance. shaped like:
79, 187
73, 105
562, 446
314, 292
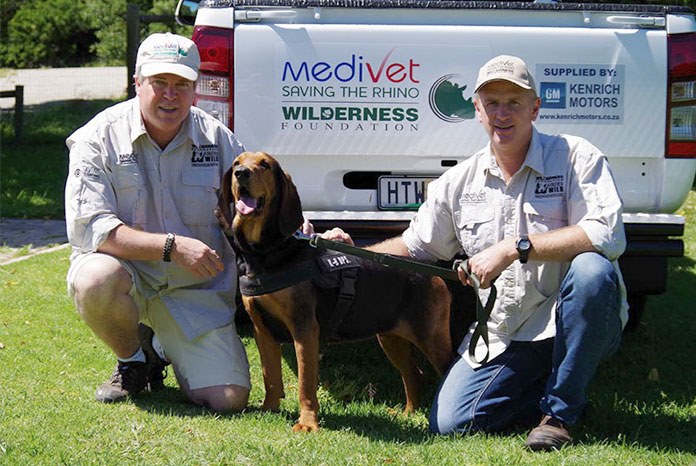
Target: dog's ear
290, 207
223, 212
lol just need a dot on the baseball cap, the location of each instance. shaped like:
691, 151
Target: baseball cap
506, 68
168, 53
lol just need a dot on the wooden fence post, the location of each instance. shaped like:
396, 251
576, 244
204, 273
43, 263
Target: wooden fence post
132, 42
18, 95
19, 112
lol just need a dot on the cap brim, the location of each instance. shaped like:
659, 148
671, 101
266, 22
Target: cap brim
488, 81
151, 69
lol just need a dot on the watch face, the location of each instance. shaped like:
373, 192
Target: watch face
523, 248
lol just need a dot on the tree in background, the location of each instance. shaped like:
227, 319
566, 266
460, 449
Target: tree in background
50, 33
109, 20
57, 33
8, 8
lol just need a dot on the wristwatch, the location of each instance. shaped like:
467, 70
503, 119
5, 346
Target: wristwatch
523, 246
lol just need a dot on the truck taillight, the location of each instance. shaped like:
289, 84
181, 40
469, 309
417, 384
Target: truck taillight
214, 87
681, 96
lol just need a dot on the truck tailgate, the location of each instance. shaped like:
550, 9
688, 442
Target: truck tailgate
390, 90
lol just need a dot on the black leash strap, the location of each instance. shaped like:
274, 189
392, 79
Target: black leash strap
482, 314
388, 260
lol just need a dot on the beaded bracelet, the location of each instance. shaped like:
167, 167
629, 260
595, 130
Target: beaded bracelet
168, 245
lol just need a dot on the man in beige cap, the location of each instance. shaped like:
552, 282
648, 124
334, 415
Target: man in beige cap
146, 245
541, 216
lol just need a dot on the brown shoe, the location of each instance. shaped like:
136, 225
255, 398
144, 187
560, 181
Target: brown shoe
550, 434
127, 380
131, 378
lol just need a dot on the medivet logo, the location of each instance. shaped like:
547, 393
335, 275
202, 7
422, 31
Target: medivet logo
167, 51
446, 99
356, 69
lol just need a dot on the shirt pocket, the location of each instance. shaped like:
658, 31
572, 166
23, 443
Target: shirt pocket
543, 216
475, 228
200, 196
129, 187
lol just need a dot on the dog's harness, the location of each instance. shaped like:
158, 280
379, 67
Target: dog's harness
328, 270
388, 260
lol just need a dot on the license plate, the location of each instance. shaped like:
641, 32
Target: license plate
402, 192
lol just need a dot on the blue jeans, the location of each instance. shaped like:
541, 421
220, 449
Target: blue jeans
548, 376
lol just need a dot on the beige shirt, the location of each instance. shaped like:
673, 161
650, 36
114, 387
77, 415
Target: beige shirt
119, 175
564, 181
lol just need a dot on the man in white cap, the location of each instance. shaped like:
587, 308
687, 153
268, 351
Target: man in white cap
540, 215
146, 245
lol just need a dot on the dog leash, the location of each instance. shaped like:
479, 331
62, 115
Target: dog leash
389, 260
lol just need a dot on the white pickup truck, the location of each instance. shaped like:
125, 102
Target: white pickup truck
365, 101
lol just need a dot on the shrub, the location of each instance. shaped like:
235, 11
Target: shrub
47, 33
55, 33
109, 20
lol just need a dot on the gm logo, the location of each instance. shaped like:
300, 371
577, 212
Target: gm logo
553, 95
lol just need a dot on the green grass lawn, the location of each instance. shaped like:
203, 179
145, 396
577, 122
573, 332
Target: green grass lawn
643, 401
50, 365
643, 405
33, 170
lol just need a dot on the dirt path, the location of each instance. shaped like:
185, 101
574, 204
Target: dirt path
21, 236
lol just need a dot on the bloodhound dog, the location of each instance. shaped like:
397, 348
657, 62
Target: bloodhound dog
293, 293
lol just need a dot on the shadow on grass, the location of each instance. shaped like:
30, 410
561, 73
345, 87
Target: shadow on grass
627, 404
643, 394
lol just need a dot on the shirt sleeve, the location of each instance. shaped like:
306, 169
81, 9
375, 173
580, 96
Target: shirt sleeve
594, 202
431, 234
90, 200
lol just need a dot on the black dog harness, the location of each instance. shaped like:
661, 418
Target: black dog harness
388, 260
328, 270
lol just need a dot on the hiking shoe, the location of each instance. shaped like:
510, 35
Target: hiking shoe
157, 367
128, 379
550, 434
131, 378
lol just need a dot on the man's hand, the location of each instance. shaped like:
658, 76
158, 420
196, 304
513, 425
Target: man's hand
488, 264
307, 228
336, 234
196, 257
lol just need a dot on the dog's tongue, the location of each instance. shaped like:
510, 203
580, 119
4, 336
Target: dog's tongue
246, 205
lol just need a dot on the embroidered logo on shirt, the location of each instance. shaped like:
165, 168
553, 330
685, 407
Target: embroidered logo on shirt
473, 198
205, 156
128, 159
88, 172
551, 186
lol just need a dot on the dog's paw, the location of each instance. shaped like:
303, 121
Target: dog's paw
272, 407
308, 422
300, 427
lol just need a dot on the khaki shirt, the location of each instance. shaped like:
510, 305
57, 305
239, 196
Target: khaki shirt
119, 175
564, 181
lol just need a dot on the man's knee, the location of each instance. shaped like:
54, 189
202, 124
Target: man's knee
444, 422
222, 398
590, 291
592, 271
450, 421
98, 282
